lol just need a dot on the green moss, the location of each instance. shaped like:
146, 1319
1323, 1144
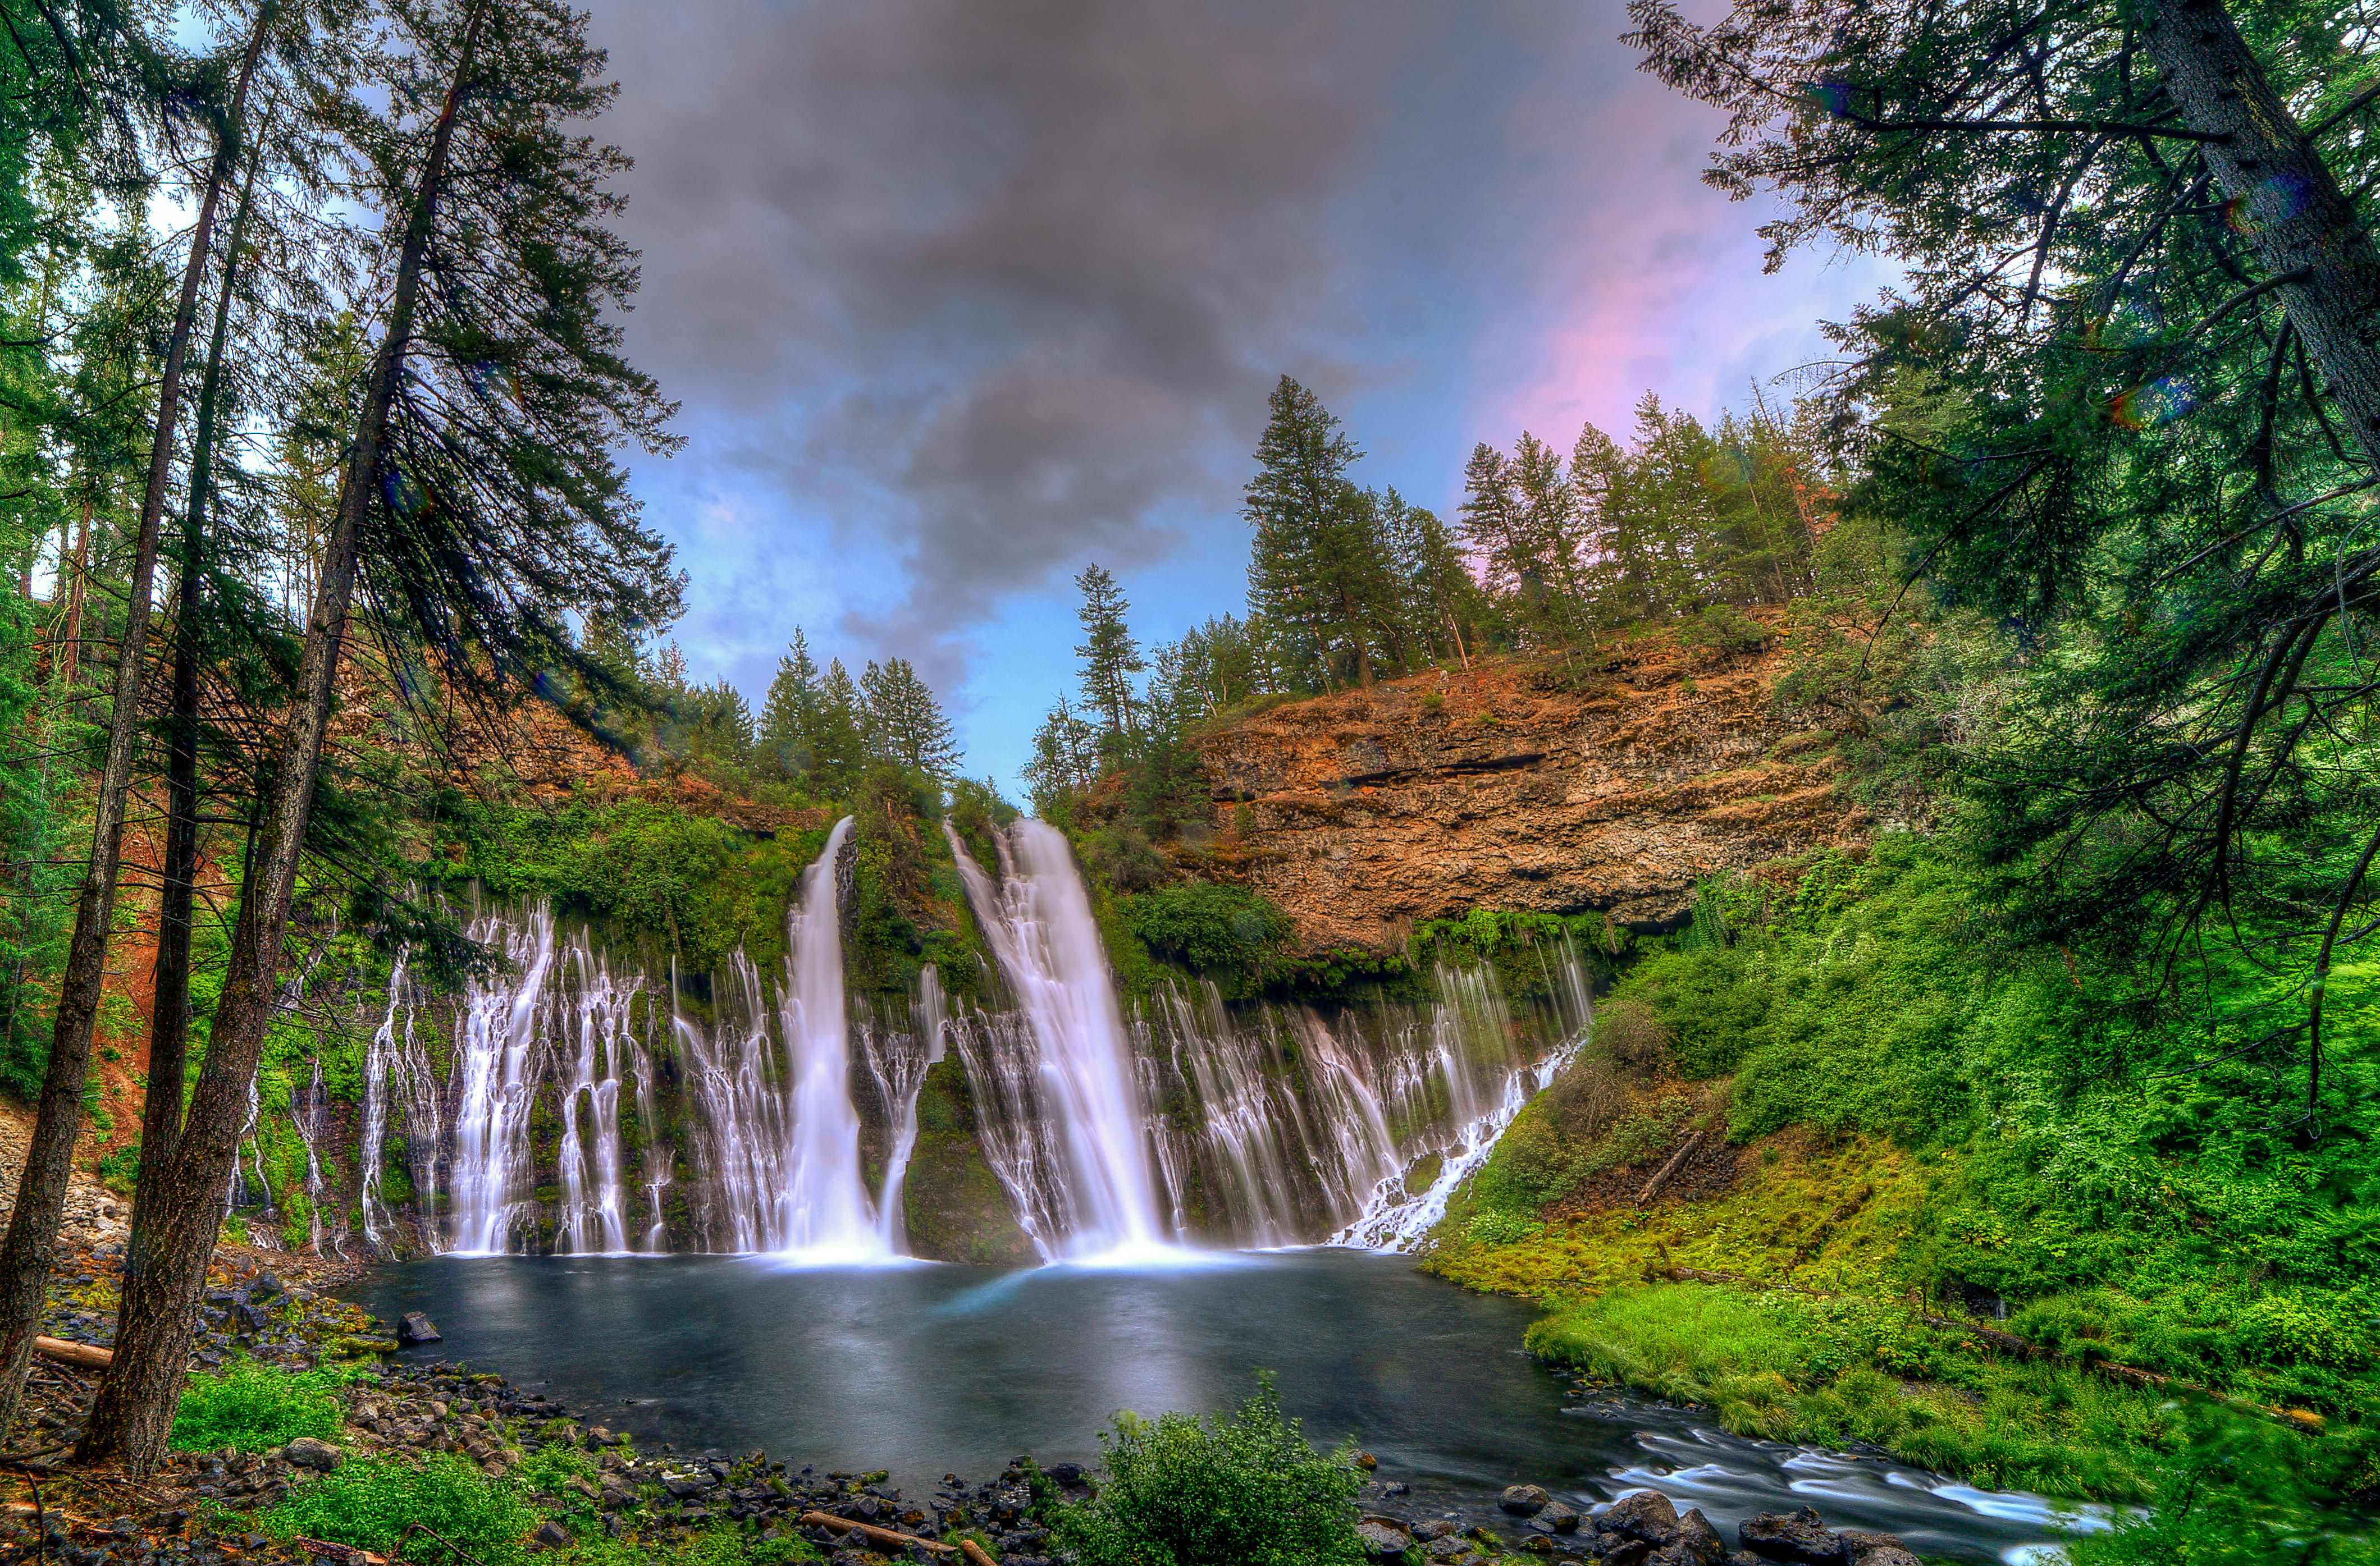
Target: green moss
954, 1206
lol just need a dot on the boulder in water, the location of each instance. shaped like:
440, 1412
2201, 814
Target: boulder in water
1384, 1538
1796, 1537
1878, 1549
1555, 1517
1523, 1501
415, 1328
1700, 1541
1646, 1516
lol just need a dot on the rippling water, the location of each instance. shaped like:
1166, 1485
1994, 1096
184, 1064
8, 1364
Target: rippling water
932, 1369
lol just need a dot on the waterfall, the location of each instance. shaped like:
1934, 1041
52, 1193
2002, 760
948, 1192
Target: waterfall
380, 1070
492, 1047
1395, 1218
599, 1045
1039, 921
309, 1112
897, 1062
1114, 1130
827, 1215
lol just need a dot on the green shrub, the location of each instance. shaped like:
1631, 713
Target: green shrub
2240, 1493
1208, 928
712, 1546
1496, 1227
1245, 1490
371, 1500
255, 1408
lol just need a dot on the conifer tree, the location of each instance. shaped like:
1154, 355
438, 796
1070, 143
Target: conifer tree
1064, 763
1108, 657
838, 744
789, 719
904, 725
1318, 566
480, 506
32, 1238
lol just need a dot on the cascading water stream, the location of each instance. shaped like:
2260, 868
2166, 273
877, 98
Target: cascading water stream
897, 1062
827, 1217
599, 1044
1039, 921
492, 1047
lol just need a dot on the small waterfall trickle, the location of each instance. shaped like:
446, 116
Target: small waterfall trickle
380, 1071
897, 1062
599, 1046
309, 1115
1039, 922
490, 1169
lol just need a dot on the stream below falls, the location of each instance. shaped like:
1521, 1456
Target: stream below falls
926, 1369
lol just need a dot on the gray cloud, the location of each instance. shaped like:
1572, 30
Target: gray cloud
1001, 282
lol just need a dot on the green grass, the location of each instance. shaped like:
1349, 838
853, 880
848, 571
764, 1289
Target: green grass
1788, 1368
255, 1408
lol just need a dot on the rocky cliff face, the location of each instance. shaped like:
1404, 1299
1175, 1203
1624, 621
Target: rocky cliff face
1547, 787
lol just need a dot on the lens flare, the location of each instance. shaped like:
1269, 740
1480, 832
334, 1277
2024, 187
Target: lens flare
2155, 405
1834, 97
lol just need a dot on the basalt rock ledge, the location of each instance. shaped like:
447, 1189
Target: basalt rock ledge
1555, 786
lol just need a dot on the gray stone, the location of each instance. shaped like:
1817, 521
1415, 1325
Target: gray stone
1645, 1515
1384, 1538
551, 1534
415, 1328
1558, 1517
1436, 1528
1878, 1549
1699, 1541
321, 1456
1798, 1536
1523, 1501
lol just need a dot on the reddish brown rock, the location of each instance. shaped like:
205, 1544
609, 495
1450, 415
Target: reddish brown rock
1539, 786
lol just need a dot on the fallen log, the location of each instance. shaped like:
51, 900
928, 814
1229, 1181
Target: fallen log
74, 1354
974, 1553
1652, 1186
871, 1533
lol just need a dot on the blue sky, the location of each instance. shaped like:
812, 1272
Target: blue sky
960, 295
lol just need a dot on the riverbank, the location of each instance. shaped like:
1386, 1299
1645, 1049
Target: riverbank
350, 1449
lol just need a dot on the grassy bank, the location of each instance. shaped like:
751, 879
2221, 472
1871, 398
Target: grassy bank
1903, 1114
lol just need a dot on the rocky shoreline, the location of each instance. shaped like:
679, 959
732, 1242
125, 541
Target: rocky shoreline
207, 1508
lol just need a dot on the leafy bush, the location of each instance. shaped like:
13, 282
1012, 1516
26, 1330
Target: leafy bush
1722, 628
1208, 928
371, 1500
117, 1168
1245, 1490
2238, 1493
254, 1408
1502, 1228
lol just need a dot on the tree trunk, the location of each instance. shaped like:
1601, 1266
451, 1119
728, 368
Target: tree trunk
69, 650
31, 1242
134, 1412
2303, 226
169, 1014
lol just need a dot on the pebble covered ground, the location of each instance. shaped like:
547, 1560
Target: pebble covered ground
207, 1508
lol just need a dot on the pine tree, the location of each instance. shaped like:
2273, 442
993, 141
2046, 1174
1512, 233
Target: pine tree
789, 719
1064, 763
480, 506
904, 725
1441, 597
1108, 657
1318, 564
838, 743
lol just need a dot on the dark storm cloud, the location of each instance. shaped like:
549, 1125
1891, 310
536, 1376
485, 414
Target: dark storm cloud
1003, 282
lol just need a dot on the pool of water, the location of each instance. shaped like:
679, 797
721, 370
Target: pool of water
932, 1369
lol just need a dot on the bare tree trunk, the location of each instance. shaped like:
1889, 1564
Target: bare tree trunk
31, 1242
69, 653
134, 1412
169, 1024
2304, 228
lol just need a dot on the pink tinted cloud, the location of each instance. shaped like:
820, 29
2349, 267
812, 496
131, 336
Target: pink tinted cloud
1630, 273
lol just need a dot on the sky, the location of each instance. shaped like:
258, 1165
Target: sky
958, 297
